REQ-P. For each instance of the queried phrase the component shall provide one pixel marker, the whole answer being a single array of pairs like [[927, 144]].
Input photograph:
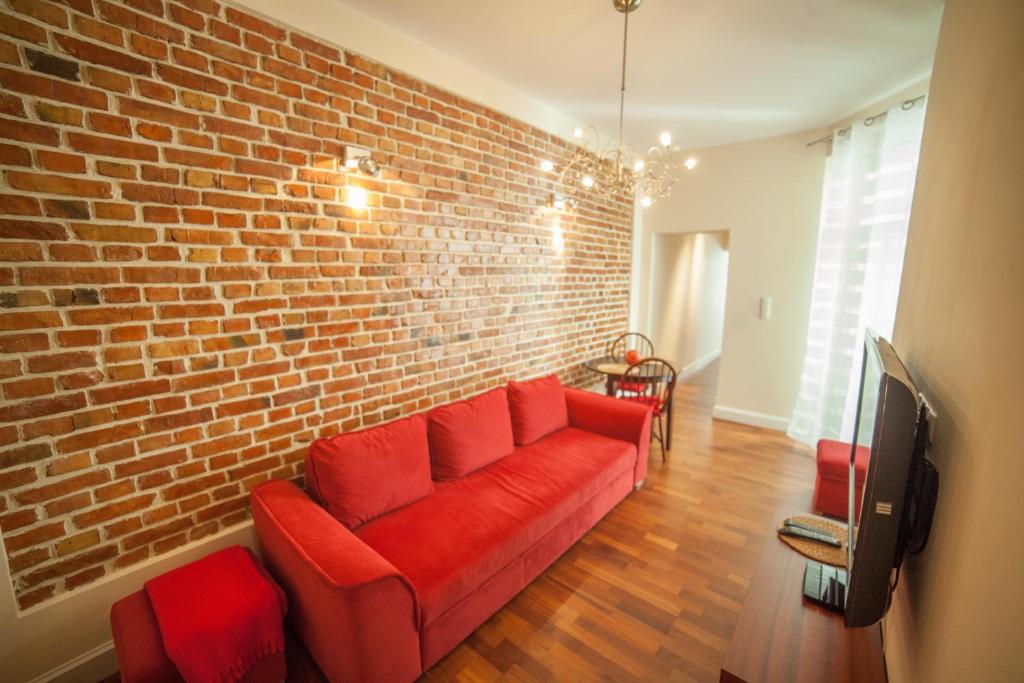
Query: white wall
[[958, 614], [766, 194], [688, 297]]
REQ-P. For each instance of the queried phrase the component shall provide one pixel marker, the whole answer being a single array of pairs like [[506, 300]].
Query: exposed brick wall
[[186, 299]]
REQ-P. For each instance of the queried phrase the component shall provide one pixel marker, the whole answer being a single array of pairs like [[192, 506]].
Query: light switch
[[766, 308]]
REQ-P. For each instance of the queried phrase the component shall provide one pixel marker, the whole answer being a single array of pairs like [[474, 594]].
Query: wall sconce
[[355, 197], [559, 202], [359, 158]]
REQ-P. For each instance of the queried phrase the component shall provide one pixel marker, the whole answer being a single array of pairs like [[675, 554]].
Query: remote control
[[800, 525], [817, 536]]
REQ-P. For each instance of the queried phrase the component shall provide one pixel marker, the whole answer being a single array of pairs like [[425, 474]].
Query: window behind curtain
[[865, 211]]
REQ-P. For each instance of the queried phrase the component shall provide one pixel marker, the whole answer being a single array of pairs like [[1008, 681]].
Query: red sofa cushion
[[467, 435], [537, 408], [471, 528], [361, 475]]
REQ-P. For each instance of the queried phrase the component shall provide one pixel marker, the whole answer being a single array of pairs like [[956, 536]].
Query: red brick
[[61, 361], [52, 89], [43, 11], [113, 233], [19, 28], [98, 437], [155, 112], [126, 392], [27, 388], [123, 149], [97, 54], [80, 187], [21, 229], [35, 536], [126, 18], [29, 320], [29, 132], [60, 162]]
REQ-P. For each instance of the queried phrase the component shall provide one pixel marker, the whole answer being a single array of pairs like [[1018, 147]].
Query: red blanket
[[218, 616]]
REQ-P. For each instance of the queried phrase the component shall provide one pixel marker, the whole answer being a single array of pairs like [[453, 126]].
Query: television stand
[[783, 636], [825, 585]]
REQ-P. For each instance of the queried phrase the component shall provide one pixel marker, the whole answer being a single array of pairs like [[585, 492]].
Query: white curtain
[[865, 210]]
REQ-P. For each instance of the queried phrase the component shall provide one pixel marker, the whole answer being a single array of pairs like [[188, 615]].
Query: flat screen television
[[899, 488]]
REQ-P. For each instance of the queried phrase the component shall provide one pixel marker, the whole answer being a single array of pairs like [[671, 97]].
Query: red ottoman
[[142, 658], [832, 483]]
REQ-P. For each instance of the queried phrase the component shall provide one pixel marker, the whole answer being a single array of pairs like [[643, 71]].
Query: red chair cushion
[[537, 408], [656, 404], [834, 460], [635, 387], [467, 435], [471, 528], [361, 475]]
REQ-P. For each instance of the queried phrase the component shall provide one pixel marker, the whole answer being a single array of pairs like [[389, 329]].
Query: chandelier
[[607, 171]]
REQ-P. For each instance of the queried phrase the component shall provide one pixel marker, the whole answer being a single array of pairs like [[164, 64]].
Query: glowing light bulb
[[547, 165], [577, 132], [587, 181], [646, 201], [356, 198], [666, 139], [638, 165], [690, 163]]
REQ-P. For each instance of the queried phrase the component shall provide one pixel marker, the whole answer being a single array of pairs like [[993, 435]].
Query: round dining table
[[614, 368]]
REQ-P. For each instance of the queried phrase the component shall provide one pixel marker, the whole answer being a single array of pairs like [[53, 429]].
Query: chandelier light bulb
[[587, 181], [547, 165], [690, 163], [646, 201], [666, 139], [577, 132], [638, 165]]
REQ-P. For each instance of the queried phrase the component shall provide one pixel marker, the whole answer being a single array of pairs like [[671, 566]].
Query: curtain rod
[[869, 120]]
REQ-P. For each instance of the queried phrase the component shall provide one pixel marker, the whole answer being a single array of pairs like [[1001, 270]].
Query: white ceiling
[[710, 71]]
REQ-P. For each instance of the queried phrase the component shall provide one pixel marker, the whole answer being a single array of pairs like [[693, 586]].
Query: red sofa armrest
[[623, 420], [355, 612]]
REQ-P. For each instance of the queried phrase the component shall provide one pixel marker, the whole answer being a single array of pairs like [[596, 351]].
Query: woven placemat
[[613, 368], [819, 551]]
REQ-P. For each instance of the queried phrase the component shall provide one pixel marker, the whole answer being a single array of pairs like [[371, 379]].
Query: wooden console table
[[781, 637]]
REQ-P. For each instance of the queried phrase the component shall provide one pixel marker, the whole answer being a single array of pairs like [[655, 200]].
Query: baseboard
[[749, 417], [696, 366], [94, 664]]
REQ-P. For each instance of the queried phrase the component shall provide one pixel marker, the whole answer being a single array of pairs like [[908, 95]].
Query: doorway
[[689, 273]]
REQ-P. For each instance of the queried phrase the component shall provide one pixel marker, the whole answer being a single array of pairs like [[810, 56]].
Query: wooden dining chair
[[630, 341], [652, 381]]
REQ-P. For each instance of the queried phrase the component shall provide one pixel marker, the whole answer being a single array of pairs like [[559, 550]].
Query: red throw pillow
[[362, 475], [537, 407], [467, 435]]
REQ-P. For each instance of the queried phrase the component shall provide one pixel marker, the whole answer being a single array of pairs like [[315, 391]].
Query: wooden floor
[[654, 591]]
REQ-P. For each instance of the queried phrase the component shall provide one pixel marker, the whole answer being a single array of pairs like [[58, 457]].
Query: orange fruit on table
[[633, 357]]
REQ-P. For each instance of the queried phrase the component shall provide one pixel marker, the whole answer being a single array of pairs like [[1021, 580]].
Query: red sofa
[[414, 533]]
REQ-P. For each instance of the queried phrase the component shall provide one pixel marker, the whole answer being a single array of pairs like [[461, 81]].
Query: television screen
[[886, 423], [863, 433]]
